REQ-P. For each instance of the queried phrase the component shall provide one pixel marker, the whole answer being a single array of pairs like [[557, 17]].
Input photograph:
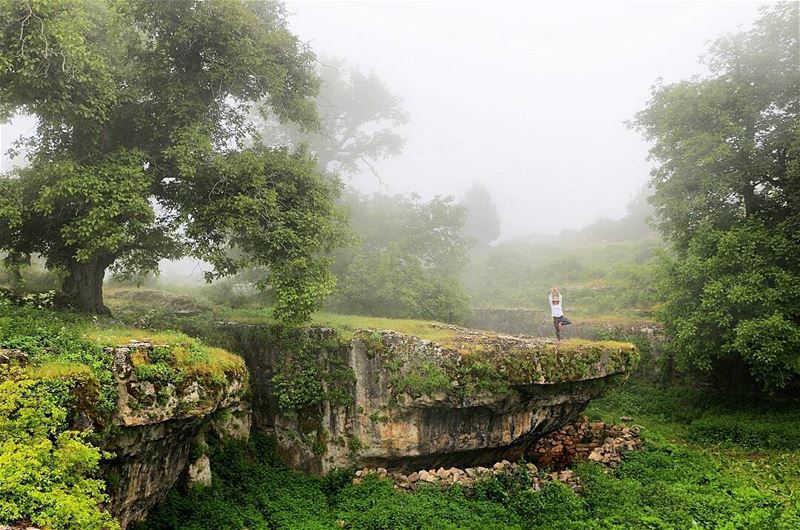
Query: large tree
[[727, 194], [139, 153]]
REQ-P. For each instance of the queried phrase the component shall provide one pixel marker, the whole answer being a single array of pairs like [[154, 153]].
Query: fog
[[528, 98]]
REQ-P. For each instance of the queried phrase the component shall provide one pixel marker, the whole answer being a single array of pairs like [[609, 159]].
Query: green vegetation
[[54, 366], [347, 325], [48, 471], [690, 474], [671, 484], [141, 153], [175, 356], [726, 196], [155, 309], [312, 367], [146, 147], [601, 280], [752, 440], [474, 363], [482, 225], [408, 259]]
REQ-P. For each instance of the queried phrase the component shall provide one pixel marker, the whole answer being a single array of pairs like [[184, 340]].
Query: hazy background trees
[[407, 259], [358, 121], [483, 221]]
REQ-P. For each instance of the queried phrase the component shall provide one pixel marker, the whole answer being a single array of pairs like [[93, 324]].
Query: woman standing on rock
[[557, 311]]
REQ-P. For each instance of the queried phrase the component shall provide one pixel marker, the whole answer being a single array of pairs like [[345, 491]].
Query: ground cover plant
[[52, 365], [49, 472], [669, 485]]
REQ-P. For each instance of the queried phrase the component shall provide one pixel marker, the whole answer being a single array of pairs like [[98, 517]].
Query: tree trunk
[[83, 287], [16, 260]]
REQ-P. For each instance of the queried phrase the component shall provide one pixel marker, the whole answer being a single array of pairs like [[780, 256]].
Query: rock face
[[157, 426], [468, 399]]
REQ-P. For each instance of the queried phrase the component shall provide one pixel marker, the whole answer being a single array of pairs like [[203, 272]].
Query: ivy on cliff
[[312, 368]]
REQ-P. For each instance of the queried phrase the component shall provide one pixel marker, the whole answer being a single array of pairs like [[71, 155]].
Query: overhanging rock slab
[[470, 398]]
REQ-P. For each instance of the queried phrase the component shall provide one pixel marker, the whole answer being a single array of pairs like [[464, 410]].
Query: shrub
[[746, 431], [47, 473]]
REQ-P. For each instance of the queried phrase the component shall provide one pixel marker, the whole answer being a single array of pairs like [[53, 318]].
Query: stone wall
[[584, 440]]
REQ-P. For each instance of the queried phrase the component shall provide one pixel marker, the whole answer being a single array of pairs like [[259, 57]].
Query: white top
[[555, 309]]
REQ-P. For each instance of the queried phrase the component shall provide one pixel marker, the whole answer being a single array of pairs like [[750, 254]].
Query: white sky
[[529, 98]]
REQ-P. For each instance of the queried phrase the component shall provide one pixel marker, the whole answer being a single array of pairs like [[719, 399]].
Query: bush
[[47, 473], [746, 431], [386, 283]]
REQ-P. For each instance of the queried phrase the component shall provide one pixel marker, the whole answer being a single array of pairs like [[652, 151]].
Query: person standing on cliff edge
[[557, 310]]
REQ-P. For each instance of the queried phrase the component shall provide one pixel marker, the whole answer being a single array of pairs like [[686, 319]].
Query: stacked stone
[[446, 477], [585, 440], [7, 356]]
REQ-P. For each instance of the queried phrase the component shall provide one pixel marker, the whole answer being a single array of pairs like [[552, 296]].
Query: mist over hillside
[[399, 265]]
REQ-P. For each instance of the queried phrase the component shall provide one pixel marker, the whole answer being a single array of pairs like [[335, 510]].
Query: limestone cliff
[[162, 420], [387, 399]]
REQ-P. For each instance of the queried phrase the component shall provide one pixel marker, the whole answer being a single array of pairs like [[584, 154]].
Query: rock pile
[[466, 478], [584, 440]]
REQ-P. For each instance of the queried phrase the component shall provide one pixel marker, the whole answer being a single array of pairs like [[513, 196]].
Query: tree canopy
[[727, 194], [141, 149], [358, 121], [407, 263], [483, 221]]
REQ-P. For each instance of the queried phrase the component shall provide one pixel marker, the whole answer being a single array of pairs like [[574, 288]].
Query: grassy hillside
[[597, 279]]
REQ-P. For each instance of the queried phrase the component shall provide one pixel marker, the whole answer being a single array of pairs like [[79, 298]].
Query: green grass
[[666, 486], [757, 440], [349, 324], [188, 355]]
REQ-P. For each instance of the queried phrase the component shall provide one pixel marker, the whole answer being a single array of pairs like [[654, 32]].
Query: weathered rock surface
[[157, 426], [472, 399], [200, 472], [595, 441]]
